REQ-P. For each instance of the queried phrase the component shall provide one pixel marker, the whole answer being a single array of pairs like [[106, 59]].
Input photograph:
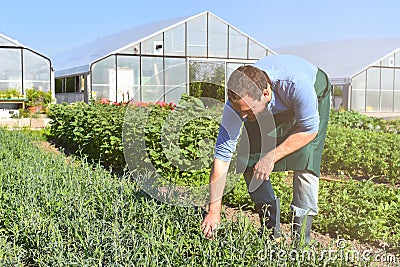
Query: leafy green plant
[[337, 91], [205, 89], [95, 131], [360, 209], [354, 119], [37, 97], [10, 93], [350, 209], [24, 113], [364, 153]]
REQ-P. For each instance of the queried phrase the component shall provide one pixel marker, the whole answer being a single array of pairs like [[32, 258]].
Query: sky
[[50, 27]]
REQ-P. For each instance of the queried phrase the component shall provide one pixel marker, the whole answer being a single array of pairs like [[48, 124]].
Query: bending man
[[283, 102]]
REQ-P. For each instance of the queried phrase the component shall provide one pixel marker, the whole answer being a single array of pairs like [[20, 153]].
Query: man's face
[[249, 107]]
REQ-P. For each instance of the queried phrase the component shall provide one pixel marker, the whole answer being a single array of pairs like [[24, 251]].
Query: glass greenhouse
[[22, 68], [377, 88], [157, 62], [365, 73]]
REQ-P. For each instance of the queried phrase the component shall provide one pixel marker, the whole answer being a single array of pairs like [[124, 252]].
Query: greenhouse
[[365, 73], [156, 62], [21, 69]]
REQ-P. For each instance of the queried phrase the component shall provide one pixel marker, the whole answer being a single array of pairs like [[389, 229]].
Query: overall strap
[[322, 88], [321, 85]]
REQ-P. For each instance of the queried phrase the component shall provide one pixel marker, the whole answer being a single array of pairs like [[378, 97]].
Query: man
[[296, 94]]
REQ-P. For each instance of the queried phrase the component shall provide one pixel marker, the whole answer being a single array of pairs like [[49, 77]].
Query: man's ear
[[266, 93]]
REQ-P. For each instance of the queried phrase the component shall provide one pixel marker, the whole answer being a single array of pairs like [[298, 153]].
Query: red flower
[[104, 100]]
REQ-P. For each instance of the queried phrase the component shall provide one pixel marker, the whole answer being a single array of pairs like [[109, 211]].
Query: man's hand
[[217, 184], [294, 142], [210, 223], [264, 167]]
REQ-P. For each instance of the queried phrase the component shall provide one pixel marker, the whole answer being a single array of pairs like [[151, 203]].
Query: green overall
[[307, 157]]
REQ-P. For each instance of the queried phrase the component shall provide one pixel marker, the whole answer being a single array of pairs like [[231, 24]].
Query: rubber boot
[[269, 214], [301, 229]]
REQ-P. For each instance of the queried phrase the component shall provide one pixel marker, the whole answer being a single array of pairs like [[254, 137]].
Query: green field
[[64, 211]]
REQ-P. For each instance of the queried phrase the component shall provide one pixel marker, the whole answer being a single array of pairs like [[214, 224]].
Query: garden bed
[[57, 210], [74, 213]]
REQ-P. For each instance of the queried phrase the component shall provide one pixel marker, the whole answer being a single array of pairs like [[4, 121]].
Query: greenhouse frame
[[365, 73], [155, 62], [22, 68]]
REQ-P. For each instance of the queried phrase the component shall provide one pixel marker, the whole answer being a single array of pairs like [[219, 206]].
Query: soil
[[49, 147], [232, 213], [383, 255]]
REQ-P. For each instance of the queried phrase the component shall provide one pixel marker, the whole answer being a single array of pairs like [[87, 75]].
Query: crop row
[[58, 211], [373, 155], [96, 131], [360, 210]]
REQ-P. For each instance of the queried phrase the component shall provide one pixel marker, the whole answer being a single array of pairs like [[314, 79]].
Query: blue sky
[[50, 27]]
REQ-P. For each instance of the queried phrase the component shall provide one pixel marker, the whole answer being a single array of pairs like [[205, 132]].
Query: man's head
[[249, 91]]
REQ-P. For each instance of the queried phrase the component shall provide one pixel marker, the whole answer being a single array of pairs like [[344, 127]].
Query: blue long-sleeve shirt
[[293, 81]]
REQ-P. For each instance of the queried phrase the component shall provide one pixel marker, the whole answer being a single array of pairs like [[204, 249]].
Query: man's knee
[[305, 193]]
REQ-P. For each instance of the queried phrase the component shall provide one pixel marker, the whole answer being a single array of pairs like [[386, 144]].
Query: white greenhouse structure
[[155, 62], [365, 73], [22, 68]]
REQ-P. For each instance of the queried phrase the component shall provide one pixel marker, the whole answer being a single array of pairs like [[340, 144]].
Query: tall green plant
[[94, 131], [210, 90]]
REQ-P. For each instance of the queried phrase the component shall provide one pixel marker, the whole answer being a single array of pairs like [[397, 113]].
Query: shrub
[[96, 131], [93, 131], [354, 119], [358, 152]]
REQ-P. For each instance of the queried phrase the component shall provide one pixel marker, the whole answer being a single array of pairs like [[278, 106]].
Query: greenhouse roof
[[8, 41], [8, 59], [346, 58], [78, 59]]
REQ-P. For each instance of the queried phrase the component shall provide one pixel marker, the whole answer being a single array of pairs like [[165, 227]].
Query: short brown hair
[[247, 80]]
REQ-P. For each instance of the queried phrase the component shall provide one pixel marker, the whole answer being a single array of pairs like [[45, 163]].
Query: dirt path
[[382, 256]]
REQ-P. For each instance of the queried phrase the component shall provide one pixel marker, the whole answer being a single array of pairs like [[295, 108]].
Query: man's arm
[[226, 144], [293, 143], [217, 185]]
